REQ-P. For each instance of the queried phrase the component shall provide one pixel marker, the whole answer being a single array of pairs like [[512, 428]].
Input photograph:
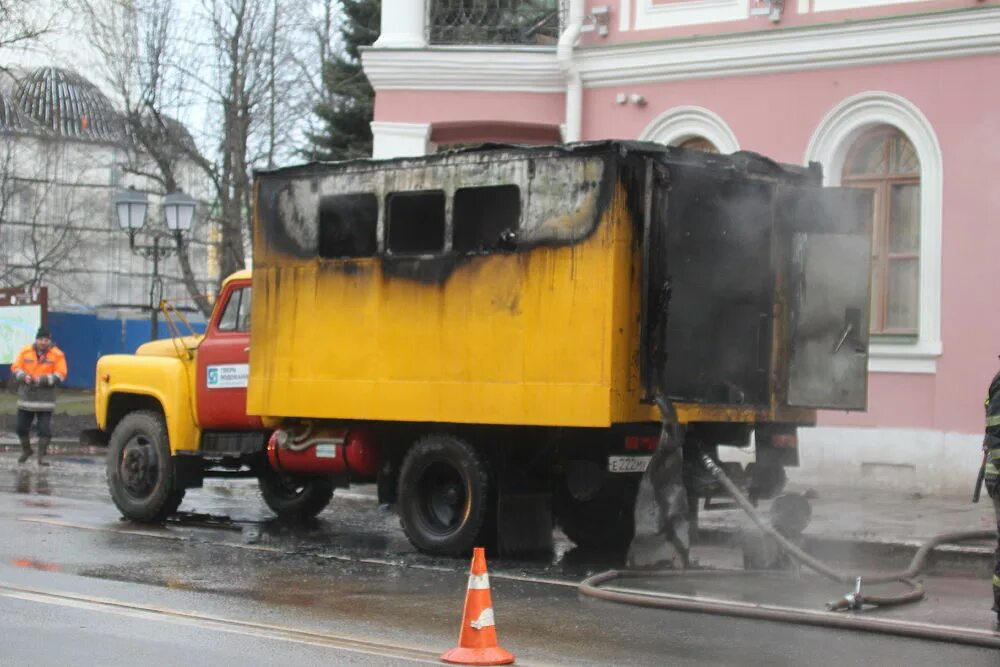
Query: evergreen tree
[[349, 102]]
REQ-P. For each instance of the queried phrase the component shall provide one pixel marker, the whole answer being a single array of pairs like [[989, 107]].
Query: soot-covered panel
[[829, 289], [711, 270]]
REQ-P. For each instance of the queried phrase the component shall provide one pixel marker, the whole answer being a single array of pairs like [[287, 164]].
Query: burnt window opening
[[348, 226], [415, 222], [486, 219]]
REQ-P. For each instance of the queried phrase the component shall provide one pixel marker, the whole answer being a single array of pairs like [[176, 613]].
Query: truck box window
[[415, 222], [484, 217], [347, 226]]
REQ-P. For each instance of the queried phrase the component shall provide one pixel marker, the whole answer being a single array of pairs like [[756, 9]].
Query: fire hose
[[854, 601]]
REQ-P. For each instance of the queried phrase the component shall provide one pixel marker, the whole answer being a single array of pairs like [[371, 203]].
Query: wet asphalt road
[[79, 586]]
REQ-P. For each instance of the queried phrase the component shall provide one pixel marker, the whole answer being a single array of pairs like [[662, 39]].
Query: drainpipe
[[574, 83]]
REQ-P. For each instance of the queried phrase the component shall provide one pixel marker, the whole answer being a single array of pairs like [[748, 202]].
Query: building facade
[[65, 151], [894, 96]]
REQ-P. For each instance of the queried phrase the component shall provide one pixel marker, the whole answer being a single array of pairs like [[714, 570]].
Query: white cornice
[[524, 69], [535, 69], [938, 35]]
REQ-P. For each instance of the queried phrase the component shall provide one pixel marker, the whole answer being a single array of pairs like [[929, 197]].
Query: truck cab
[[175, 412]]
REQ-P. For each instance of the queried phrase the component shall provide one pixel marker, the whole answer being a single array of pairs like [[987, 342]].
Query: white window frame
[[677, 125], [841, 5], [829, 145], [651, 16]]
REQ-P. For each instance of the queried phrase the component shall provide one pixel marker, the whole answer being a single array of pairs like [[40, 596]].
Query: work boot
[[43, 447], [26, 450]]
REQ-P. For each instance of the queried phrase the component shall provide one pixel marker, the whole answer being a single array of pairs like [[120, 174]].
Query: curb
[[886, 554]]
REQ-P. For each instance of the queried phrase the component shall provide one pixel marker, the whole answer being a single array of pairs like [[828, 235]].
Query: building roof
[[68, 105], [11, 118]]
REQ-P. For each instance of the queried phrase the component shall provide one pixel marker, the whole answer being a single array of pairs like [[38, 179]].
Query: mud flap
[[662, 534], [189, 470], [524, 523]]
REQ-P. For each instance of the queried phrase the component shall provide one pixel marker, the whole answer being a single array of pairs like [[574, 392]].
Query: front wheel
[[444, 488], [139, 470], [294, 497]]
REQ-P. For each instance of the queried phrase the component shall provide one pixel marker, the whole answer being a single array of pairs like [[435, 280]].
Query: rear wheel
[[607, 520], [294, 497], [140, 473], [444, 488]]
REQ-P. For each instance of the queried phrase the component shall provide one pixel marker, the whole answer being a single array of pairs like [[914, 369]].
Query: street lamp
[[178, 211]]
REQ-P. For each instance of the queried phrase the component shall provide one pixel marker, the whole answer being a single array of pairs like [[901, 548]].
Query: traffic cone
[[477, 638]]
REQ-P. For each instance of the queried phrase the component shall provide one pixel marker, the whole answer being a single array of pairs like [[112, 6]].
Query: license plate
[[628, 463]]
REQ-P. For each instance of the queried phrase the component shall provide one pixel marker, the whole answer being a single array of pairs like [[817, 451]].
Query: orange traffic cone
[[477, 638]]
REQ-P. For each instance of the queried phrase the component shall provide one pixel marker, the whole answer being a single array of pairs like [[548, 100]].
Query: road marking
[[160, 535], [165, 535], [211, 622]]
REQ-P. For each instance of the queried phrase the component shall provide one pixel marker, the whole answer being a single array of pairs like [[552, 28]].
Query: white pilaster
[[391, 140], [403, 24]]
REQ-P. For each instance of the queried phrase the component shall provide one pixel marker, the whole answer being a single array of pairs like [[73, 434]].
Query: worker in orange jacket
[[39, 369]]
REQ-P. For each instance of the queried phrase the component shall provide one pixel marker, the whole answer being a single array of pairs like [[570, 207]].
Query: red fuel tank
[[325, 452], [362, 455]]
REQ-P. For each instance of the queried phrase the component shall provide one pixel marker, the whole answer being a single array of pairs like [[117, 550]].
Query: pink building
[[898, 96]]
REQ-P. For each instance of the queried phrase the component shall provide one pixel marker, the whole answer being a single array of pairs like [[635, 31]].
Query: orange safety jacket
[[46, 370]]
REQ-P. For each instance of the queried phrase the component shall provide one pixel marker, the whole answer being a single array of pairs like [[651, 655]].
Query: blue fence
[[85, 337]]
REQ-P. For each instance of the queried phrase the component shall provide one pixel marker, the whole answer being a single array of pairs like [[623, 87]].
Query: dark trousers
[[43, 423]]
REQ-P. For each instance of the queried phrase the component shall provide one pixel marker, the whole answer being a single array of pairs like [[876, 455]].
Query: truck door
[[223, 363], [828, 236], [709, 294]]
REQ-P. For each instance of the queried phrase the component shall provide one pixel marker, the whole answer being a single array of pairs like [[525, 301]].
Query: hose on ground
[[857, 599], [853, 601]]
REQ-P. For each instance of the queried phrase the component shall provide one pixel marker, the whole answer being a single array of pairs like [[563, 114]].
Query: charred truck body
[[482, 332]]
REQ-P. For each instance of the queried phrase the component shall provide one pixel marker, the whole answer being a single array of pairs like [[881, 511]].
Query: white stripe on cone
[[485, 619], [479, 582]]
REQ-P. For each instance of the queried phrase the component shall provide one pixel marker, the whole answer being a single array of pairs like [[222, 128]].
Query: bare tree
[[230, 64], [23, 22], [47, 207], [259, 102], [141, 53]]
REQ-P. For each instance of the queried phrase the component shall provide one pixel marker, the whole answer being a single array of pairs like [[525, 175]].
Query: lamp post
[[178, 210]]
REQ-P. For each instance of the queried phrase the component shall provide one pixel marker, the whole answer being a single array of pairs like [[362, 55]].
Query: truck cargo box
[[557, 286]]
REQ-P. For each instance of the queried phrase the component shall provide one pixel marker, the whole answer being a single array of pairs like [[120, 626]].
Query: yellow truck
[[483, 332]]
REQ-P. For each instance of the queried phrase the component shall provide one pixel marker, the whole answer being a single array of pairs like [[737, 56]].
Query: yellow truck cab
[[485, 333], [176, 411]]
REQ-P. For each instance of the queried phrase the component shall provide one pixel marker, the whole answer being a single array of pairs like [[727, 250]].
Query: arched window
[[699, 144], [680, 125], [884, 160]]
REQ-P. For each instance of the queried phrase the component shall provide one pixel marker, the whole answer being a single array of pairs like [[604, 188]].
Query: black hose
[[591, 587]]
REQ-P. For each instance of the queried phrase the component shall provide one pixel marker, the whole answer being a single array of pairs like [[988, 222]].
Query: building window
[[884, 161], [692, 127], [698, 144]]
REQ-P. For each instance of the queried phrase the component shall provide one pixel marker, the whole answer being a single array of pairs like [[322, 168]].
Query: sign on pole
[[22, 311]]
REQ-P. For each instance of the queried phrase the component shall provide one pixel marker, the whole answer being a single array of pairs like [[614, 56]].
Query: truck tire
[[444, 487], [604, 521], [293, 497], [140, 472]]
